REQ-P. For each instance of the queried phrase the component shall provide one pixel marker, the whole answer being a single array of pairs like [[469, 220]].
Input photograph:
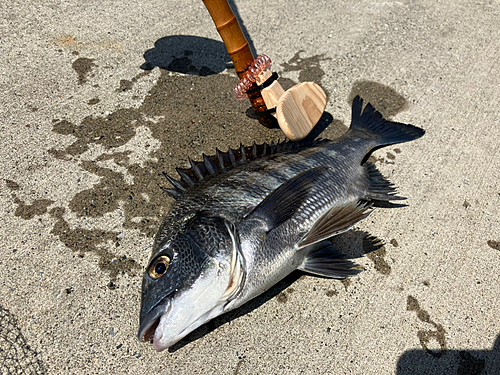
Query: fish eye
[[159, 267]]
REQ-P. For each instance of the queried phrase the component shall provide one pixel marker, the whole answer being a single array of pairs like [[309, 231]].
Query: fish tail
[[385, 132]]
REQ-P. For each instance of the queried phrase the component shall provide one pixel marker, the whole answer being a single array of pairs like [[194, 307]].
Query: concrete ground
[[99, 97]]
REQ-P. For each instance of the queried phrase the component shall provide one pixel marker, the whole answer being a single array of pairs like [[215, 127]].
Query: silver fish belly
[[246, 218]]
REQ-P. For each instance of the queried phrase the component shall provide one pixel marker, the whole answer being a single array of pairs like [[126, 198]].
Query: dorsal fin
[[225, 161]]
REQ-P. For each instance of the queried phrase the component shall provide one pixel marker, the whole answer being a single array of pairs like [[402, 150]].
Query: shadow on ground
[[451, 362], [188, 54], [192, 54]]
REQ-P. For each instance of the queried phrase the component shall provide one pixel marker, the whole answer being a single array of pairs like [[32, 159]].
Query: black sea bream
[[245, 219]]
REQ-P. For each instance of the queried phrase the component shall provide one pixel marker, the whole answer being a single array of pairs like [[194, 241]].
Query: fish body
[[245, 219]]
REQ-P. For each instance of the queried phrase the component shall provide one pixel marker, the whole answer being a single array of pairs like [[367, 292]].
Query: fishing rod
[[296, 111]]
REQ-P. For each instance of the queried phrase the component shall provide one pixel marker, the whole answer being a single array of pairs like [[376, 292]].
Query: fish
[[244, 219]]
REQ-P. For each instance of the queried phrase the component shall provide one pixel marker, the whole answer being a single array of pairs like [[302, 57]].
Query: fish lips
[[150, 322]]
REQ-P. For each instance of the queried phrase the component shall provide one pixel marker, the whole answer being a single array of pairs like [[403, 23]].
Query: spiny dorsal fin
[[171, 192], [224, 161], [336, 220]]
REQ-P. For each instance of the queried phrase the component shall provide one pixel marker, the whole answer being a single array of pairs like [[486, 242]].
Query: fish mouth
[[152, 320]]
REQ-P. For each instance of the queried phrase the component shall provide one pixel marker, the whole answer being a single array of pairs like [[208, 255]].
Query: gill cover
[[190, 280]]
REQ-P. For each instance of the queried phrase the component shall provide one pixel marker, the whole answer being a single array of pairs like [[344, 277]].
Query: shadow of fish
[[245, 219]]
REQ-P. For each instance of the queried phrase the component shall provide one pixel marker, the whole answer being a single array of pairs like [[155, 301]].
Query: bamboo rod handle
[[237, 46]]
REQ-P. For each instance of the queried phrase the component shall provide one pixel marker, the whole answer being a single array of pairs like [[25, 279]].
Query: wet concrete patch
[[126, 85], [182, 113], [494, 244], [283, 296], [29, 211], [346, 283], [94, 241], [309, 68], [238, 365], [12, 185], [331, 292], [425, 336], [374, 249], [83, 66]]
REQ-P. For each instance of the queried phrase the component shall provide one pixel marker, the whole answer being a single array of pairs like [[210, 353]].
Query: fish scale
[[246, 218]]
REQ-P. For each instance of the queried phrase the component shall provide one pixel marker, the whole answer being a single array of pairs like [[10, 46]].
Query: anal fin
[[328, 262], [379, 188], [336, 220]]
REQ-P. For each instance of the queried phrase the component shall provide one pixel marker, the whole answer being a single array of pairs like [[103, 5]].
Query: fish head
[[190, 278]]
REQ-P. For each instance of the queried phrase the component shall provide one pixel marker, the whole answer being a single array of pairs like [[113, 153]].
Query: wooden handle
[[298, 110], [273, 92], [238, 49]]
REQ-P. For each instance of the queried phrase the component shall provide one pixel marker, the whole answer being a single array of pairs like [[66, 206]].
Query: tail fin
[[385, 132]]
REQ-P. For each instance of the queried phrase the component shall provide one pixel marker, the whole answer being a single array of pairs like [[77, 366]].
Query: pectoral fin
[[335, 221], [282, 203]]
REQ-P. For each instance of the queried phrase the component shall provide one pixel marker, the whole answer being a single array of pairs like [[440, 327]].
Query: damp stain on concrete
[[183, 114], [12, 185], [29, 211], [126, 85], [16, 355], [283, 296], [373, 159], [494, 244], [238, 366], [374, 249], [83, 66], [346, 283], [94, 241], [309, 69], [425, 336], [331, 292]]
